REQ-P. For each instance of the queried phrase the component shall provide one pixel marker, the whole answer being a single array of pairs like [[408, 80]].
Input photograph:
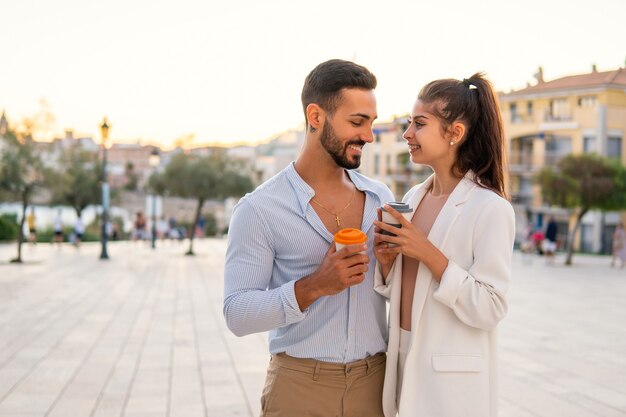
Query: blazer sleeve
[[478, 295], [382, 286]]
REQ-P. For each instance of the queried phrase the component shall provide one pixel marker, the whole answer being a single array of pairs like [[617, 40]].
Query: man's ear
[[315, 116], [456, 132]]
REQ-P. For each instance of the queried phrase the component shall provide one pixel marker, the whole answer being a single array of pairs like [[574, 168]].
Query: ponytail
[[471, 101]]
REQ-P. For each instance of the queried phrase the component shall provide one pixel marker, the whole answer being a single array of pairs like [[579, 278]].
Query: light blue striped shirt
[[275, 238]]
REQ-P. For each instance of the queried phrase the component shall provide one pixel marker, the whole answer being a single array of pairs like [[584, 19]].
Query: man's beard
[[337, 150]]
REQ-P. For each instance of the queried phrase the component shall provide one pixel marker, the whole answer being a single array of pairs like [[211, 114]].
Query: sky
[[232, 71]]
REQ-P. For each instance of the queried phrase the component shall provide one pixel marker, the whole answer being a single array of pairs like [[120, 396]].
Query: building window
[[559, 110], [614, 147], [529, 108], [556, 148], [513, 109], [377, 138], [590, 144], [524, 193], [376, 164], [526, 185], [587, 101]]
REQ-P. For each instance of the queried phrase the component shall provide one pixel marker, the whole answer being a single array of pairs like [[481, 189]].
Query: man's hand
[[338, 271]]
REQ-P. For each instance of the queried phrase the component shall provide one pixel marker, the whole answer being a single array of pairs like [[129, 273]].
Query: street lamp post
[[104, 130], [154, 159]]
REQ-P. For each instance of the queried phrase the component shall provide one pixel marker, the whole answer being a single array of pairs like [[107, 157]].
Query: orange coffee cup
[[349, 236]]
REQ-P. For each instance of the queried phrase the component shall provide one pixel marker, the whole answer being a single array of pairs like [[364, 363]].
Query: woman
[[447, 270], [619, 245]]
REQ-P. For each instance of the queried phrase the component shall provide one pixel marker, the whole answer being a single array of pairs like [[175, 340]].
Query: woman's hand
[[409, 241]]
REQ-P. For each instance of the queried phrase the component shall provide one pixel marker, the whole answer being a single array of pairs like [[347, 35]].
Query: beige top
[[424, 217]]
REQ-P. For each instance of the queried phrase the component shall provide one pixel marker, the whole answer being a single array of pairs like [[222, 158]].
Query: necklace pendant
[[338, 221]]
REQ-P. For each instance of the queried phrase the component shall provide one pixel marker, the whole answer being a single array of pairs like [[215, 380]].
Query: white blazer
[[451, 365]]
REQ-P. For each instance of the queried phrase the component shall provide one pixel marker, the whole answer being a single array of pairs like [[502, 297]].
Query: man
[[549, 243], [327, 326], [32, 226], [79, 230], [58, 228]]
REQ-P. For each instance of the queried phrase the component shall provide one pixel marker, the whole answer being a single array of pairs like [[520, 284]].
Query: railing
[[527, 162], [553, 157], [522, 197], [521, 119], [407, 175], [558, 118]]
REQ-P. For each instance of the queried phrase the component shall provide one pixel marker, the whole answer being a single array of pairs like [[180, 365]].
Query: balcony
[[410, 176], [525, 162], [521, 162], [524, 198], [557, 118], [552, 158], [519, 119]]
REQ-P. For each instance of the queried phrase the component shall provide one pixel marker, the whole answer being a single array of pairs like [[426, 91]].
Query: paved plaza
[[143, 335]]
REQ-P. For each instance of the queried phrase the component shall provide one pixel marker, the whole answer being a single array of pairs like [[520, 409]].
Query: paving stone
[[142, 335]]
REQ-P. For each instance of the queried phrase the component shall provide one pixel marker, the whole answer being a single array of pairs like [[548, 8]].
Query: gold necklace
[[337, 218]]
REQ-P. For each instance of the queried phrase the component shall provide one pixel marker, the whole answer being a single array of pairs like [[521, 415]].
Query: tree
[[582, 183], [77, 183], [21, 174], [215, 176], [133, 178]]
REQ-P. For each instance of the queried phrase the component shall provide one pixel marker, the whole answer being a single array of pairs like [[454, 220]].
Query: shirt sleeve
[[250, 305], [478, 295]]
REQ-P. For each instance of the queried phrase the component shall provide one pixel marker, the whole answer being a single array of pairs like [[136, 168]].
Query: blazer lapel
[[447, 216], [438, 235]]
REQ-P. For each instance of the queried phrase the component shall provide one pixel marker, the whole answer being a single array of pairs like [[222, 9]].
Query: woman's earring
[[451, 142]]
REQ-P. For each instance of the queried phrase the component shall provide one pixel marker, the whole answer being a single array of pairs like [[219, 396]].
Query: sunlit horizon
[[224, 73]]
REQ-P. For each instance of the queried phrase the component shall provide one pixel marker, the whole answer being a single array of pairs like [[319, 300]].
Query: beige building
[[387, 158], [546, 121], [130, 160]]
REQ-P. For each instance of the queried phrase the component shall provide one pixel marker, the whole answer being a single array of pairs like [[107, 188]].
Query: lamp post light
[[104, 130], [154, 160]]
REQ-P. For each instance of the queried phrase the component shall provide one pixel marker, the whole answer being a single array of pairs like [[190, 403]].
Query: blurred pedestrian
[[162, 228], [549, 244], [200, 226], [619, 245], [32, 226], [58, 228], [173, 228], [538, 238], [140, 226], [79, 231], [115, 231]]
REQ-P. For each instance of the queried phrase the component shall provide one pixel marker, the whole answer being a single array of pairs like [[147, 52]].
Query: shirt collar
[[304, 192]]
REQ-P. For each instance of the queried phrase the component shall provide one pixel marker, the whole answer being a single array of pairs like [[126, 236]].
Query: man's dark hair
[[323, 85]]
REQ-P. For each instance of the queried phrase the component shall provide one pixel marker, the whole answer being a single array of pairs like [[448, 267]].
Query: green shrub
[[8, 227], [210, 227], [47, 235]]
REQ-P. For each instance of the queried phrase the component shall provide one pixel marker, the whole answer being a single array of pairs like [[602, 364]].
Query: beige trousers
[[310, 388]]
